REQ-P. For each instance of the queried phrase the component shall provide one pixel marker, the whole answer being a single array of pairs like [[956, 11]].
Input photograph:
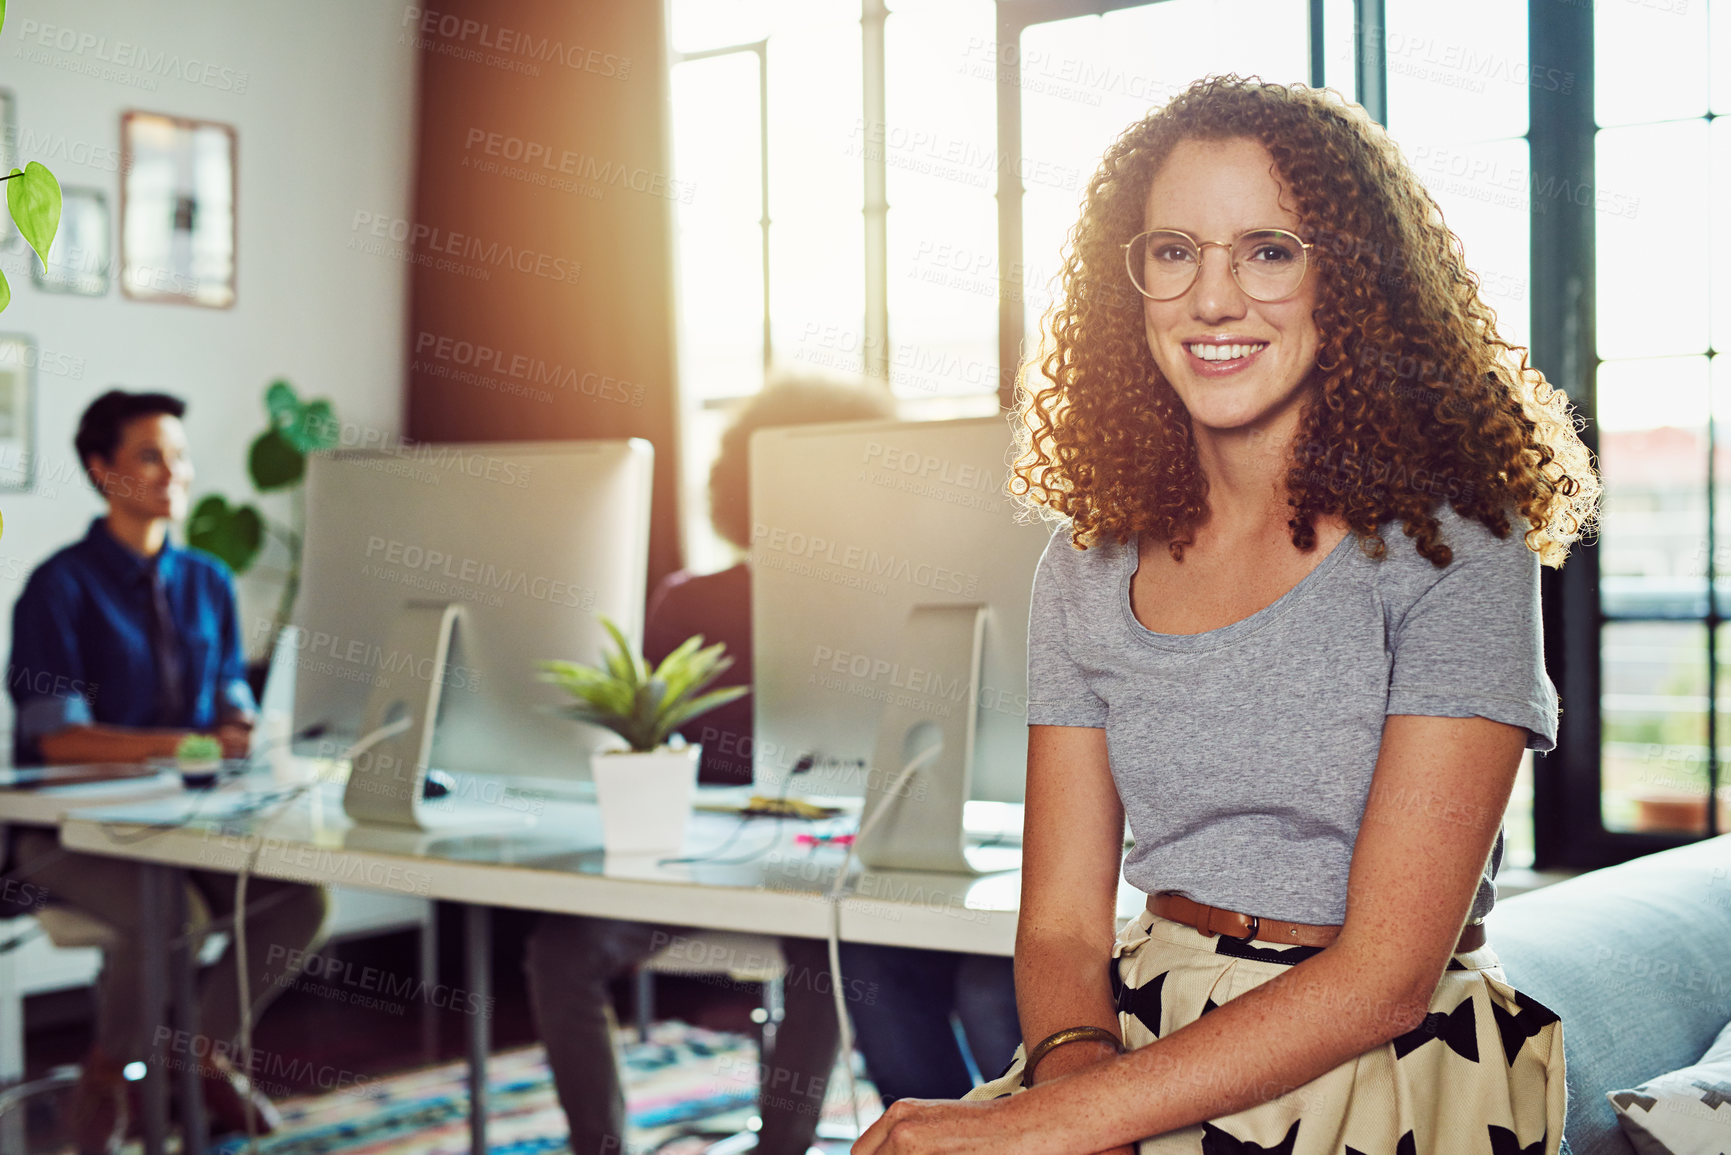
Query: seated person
[[570, 958], [123, 644]]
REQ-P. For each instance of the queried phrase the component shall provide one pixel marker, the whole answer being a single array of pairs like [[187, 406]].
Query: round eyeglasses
[[1268, 264]]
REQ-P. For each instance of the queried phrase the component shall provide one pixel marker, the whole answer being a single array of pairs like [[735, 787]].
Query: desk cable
[[712, 858], [361, 746], [836, 895]]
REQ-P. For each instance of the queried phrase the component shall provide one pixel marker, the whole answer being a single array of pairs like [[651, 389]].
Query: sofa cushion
[[1685, 1112], [1636, 959]]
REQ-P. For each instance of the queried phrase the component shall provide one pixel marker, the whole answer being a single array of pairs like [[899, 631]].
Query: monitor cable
[[836, 894], [362, 745]]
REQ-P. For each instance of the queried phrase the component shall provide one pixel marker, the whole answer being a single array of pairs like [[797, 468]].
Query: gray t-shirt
[[1244, 755]]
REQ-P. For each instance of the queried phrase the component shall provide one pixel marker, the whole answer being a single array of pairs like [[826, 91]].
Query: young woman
[[1268, 355]]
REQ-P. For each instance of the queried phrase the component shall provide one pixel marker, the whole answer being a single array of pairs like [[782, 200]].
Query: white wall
[[322, 95]]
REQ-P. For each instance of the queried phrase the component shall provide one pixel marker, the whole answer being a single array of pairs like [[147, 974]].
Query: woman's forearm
[[1063, 982], [1261, 1045]]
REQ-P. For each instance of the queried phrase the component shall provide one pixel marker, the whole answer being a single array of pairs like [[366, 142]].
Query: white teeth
[[1224, 352]]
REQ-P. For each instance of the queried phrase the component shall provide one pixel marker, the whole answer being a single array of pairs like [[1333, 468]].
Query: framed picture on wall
[[79, 259], [17, 411], [9, 238], [177, 206]]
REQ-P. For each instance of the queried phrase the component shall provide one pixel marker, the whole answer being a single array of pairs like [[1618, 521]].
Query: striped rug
[[683, 1079]]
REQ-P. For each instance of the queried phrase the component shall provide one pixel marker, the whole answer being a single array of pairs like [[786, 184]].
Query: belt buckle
[[1208, 917]]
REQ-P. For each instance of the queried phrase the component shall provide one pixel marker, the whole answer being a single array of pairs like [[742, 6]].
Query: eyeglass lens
[[1267, 263]]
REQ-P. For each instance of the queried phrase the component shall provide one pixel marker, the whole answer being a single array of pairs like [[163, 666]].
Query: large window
[[1659, 195], [884, 186]]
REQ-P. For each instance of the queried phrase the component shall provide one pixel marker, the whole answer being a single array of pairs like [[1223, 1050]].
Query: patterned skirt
[[1483, 1074]]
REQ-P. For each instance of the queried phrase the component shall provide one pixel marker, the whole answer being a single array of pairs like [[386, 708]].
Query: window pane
[[1652, 283], [1482, 190], [1649, 61], [1719, 20], [720, 261], [1086, 79], [1460, 70], [941, 155], [1655, 726], [1719, 225], [698, 25], [1518, 818], [1339, 33], [816, 238], [1653, 457], [1693, 818], [1719, 373]]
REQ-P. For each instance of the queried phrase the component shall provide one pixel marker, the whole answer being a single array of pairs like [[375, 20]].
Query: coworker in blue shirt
[[123, 644]]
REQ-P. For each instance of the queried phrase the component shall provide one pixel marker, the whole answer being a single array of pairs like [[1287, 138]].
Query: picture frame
[[81, 257], [17, 412], [10, 240], [177, 209]]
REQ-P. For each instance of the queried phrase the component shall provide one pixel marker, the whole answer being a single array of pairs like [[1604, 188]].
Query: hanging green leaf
[[233, 533], [282, 404], [2, 14], [33, 196], [274, 462], [314, 427], [5, 293]]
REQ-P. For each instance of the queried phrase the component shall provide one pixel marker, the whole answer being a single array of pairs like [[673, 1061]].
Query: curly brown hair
[[1415, 398]]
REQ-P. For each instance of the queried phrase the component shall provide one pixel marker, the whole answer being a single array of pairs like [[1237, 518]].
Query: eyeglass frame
[[1231, 266]]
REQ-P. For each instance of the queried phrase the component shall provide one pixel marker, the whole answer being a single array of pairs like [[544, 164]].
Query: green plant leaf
[[700, 670], [2, 14], [314, 428], [233, 534], [5, 293], [703, 705], [674, 661], [626, 666], [33, 196], [281, 404], [274, 462]]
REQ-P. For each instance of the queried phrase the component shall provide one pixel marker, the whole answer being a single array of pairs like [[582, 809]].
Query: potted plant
[[647, 789], [276, 463], [199, 759]]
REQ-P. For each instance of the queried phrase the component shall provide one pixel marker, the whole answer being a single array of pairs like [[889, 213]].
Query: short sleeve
[[1058, 689], [1472, 645]]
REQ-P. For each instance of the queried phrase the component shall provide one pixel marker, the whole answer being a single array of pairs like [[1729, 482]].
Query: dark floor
[[347, 1019]]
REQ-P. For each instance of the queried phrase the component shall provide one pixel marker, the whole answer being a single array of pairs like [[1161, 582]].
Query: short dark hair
[[104, 422]]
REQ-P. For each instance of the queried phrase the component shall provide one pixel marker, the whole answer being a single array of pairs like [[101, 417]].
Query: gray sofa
[[1637, 960]]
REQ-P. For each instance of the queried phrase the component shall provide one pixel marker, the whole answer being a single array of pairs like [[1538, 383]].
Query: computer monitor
[[433, 581], [890, 588]]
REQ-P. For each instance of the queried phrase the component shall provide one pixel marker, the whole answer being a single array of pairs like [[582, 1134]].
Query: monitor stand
[[385, 781], [921, 828]]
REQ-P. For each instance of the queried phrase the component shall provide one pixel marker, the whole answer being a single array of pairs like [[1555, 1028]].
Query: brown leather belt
[[1247, 927]]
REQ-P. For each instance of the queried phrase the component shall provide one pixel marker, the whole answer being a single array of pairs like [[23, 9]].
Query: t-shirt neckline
[[1223, 635]]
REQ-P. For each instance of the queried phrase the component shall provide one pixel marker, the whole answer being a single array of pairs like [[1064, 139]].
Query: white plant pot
[[646, 798]]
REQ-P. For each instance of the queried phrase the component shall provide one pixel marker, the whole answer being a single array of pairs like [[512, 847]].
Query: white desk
[[49, 806], [556, 865]]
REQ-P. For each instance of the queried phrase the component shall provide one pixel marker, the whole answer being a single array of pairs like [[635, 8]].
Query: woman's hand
[[943, 1126], [953, 1127]]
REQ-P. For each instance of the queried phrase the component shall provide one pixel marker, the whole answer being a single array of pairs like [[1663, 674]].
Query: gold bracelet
[[1058, 1038]]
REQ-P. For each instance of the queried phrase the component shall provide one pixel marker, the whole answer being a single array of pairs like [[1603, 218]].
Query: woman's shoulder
[[1099, 558], [1472, 546]]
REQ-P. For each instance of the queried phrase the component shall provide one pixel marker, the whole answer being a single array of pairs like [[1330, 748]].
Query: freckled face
[[1216, 190]]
